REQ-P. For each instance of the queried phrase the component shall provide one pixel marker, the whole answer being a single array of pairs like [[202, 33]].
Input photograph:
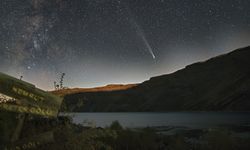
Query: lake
[[182, 119]]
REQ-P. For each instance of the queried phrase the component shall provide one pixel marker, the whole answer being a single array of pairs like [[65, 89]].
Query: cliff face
[[220, 83]]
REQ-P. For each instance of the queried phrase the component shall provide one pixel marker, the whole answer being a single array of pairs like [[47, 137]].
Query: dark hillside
[[220, 83]]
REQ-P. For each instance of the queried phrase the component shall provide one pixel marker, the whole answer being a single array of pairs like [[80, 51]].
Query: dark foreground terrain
[[221, 83], [62, 134]]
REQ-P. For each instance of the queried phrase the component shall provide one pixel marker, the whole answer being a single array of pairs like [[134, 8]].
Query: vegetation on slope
[[69, 136]]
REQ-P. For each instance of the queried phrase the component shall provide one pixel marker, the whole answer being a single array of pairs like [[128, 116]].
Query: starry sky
[[99, 42]]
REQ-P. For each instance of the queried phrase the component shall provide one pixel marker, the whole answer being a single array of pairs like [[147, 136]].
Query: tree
[[60, 85], [61, 81]]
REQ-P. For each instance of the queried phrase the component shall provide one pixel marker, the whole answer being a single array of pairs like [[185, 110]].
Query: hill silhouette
[[221, 83]]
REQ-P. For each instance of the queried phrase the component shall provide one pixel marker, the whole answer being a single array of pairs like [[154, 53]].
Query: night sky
[[99, 42]]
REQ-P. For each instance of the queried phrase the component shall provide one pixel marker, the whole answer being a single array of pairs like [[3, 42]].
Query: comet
[[140, 32], [145, 41]]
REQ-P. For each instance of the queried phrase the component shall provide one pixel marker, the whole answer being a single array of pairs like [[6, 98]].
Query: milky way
[[98, 42]]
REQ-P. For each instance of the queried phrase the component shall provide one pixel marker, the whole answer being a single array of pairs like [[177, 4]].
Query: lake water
[[182, 119]]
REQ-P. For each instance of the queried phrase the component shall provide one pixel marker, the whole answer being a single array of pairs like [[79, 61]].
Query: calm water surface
[[183, 119]]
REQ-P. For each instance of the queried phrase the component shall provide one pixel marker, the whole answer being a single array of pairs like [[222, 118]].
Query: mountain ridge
[[219, 83], [109, 87]]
